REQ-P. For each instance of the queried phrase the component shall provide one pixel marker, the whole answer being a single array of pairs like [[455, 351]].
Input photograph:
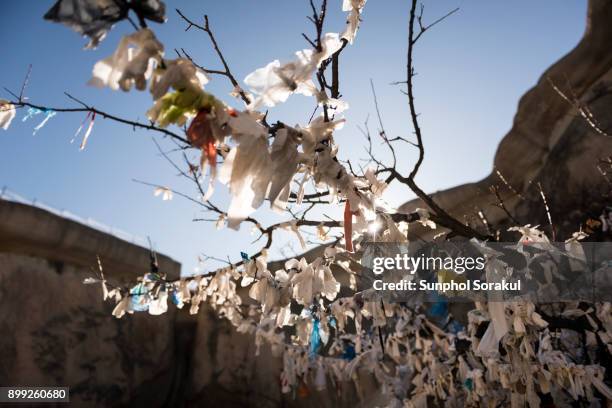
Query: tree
[[326, 332]]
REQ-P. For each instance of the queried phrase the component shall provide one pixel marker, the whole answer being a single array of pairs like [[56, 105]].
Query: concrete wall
[[57, 331]]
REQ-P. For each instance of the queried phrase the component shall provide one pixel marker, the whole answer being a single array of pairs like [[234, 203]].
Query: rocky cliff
[[551, 143]]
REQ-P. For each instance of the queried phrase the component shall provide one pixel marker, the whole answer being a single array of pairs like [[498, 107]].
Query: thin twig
[[507, 184], [25, 82], [228, 73], [581, 108], [104, 115], [502, 205], [550, 222], [444, 218]]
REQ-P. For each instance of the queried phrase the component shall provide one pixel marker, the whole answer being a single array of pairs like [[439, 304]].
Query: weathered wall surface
[[231, 374], [57, 331], [33, 231], [227, 372]]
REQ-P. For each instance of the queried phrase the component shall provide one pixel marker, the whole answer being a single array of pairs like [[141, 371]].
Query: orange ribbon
[[348, 226], [200, 135]]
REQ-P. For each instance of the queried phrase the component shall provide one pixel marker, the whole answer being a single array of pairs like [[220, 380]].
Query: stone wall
[[58, 332]]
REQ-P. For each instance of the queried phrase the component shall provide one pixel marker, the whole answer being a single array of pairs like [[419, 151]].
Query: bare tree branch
[[227, 72], [104, 115], [25, 82], [550, 222], [444, 218], [581, 108], [500, 203]]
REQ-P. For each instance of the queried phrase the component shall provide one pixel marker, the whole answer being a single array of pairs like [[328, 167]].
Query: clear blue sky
[[472, 70]]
